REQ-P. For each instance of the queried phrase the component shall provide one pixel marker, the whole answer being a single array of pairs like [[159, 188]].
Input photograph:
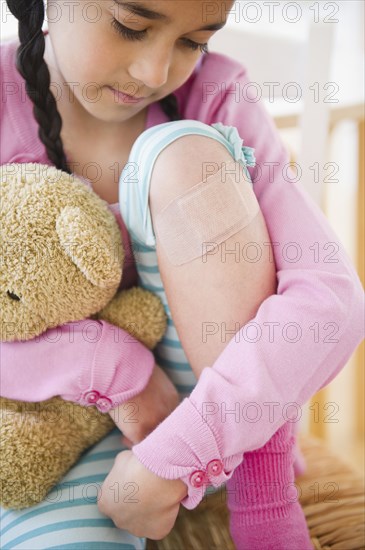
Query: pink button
[[92, 396], [104, 404], [214, 467], [197, 478]]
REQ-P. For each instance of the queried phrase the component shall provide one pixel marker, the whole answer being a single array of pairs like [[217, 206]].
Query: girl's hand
[[139, 501], [142, 414]]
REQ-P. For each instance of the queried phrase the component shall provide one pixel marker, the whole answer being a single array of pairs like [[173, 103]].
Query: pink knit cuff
[[120, 369], [190, 453]]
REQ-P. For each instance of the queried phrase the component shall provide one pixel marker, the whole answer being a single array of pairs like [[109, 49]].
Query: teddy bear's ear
[[90, 246]]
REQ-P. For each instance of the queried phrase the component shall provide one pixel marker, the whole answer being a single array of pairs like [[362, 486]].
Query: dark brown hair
[[31, 65]]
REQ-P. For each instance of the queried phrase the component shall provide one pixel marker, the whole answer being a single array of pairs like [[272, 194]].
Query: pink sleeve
[[296, 344], [89, 362]]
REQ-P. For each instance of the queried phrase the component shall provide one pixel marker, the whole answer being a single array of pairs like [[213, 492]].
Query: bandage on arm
[[206, 215]]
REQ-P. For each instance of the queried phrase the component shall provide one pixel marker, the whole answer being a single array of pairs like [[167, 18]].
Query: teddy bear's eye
[[13, 296]]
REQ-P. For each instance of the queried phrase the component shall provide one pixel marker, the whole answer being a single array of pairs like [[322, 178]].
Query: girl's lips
[[125, 98]]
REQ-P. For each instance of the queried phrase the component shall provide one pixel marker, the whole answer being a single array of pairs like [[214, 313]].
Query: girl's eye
[[130, 34], [126, 32], [195, 45]]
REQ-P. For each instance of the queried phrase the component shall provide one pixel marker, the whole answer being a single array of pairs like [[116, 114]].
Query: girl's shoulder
[[221, 64], [19, 141], [206, 89], [10, 78], [8, 57]]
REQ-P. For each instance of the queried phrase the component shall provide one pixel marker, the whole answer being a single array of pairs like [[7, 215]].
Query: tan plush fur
[[62, 259]]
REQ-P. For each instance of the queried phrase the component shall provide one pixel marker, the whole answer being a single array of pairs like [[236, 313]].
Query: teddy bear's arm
[[139, 312]]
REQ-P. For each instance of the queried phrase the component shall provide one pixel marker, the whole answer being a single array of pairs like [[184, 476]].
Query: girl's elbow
[[359, 309], [353, 305], [339, 301]]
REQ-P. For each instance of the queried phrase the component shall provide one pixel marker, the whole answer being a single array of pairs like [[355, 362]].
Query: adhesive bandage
[[209, 212]]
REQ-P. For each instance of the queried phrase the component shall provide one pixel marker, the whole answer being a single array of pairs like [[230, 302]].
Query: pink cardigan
[[297, 343]]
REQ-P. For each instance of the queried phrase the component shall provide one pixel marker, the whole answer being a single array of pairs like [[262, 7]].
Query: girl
[[152, 50]]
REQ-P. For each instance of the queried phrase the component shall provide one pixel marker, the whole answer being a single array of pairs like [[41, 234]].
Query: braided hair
[[32, 67]]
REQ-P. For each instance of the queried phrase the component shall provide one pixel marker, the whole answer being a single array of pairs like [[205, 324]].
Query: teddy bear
[[62, 260]]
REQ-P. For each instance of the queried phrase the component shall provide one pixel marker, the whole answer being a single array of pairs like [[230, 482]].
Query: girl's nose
[[151, 66]]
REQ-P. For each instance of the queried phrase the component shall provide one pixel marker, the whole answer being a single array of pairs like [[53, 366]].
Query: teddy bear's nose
[[13, 296]]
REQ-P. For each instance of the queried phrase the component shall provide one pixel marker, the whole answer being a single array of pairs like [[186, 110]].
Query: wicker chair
[[332, 497]]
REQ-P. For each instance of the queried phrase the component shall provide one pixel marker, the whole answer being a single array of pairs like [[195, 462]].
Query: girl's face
[[145, 48]]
